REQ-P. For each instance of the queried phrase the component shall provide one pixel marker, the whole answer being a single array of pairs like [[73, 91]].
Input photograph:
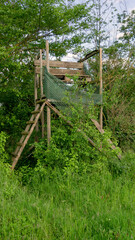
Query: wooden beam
[[58, 71], [47, 55], [35, 87], [97, 125], [41, 74], [48, 109], [60, 64], [26, 129], [41, 89], [27, 137], [41, 100], [36, 95], [48, 125], [101, 88]]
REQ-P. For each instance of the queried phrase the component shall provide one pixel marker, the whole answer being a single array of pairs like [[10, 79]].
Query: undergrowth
[[98, 204]]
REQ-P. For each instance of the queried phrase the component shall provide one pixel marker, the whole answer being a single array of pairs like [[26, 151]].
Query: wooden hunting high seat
[[61, 69]]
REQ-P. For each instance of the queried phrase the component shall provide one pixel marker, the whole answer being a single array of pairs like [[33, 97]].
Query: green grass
[[74, 207]]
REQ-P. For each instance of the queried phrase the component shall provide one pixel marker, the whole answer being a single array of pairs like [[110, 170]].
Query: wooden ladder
[[28, 131]]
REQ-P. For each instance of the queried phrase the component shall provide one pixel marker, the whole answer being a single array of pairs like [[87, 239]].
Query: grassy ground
[[82, 208]]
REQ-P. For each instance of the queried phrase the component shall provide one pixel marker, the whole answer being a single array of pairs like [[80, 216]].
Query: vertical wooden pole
[[35, 86], [48, 109], [101, 89], [47, 55], [48, 125], [41, 91], [36, 94], [41, 75]]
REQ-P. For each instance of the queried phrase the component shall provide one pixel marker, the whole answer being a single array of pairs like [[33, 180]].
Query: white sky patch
[[131, 9], [70, 57], [120, 35]]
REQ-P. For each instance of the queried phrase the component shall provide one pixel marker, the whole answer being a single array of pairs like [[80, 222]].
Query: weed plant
[[74, 192], [92, 206]]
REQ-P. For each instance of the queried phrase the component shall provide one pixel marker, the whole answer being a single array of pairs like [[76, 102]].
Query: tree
[[25, 25], [119, 75]]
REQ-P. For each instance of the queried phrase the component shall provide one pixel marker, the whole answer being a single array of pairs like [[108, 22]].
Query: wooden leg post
[[35, 97], [41, 91], [101, 89], [48, 109], [37, 83], [48, 125]]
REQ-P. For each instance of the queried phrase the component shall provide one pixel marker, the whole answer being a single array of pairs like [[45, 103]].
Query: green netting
[[58, 92]]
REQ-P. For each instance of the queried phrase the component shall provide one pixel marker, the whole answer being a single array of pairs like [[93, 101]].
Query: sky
[[121, 5], [127, 5]]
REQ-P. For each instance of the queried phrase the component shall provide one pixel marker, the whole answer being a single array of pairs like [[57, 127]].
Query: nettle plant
[[70, 149]]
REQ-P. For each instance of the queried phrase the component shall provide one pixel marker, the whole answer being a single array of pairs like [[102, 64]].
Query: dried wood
[[26, 129], [48, 125], [41, 75], [30, 122], [58, 71], [35, 112], [60, 64], [101, 87], [47, 55], [98, 126], [40, 101], [15, 160]]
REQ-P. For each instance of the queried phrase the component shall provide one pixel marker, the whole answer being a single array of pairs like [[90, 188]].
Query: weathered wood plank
[[58, 71], [29, 122], [26, 129], [48, 125], [60, 64], [98, 126], [101, 87], [41, 101], [35, 112], [15, 160]]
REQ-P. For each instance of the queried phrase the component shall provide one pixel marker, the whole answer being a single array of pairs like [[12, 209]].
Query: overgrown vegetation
[[69, 190], [98, 204]]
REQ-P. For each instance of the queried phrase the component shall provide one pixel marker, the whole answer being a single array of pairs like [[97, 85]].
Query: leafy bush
[[3, 154]]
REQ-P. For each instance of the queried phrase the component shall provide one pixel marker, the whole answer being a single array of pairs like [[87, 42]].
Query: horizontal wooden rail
[[60, 64], [58, 71]]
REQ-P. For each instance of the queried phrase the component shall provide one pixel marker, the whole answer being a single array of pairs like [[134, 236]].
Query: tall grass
[[67, 207]]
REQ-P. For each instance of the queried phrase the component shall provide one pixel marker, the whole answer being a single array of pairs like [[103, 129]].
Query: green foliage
[[119, 95], [15, 110], [70, 149], [91, 206], [25, 25], [3, 154]]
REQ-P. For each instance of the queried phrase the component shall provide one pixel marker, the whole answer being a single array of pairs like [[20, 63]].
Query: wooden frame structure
[[58, 69]]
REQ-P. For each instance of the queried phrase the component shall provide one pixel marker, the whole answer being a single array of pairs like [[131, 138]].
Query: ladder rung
[[25, 133], [41, 101], [35, 112], [19, 144], [30, 122]]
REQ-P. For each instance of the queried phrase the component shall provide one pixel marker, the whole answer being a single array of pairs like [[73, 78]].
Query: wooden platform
[[62, 69]]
